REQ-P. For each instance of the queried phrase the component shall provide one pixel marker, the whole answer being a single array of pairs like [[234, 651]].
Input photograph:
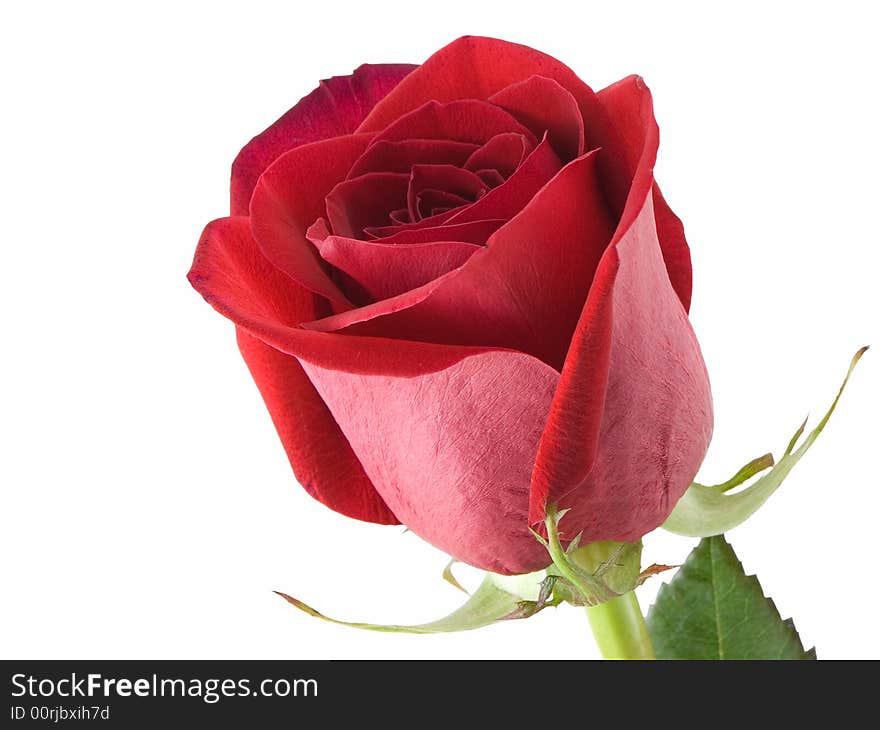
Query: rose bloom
[[463, 298]]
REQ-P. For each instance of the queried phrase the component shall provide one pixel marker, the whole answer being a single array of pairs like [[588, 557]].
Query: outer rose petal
[[335, 108], [451, 452], [233, 276], [289, 198], [629, 106], [632, 417], [320, 455], [472, 67]]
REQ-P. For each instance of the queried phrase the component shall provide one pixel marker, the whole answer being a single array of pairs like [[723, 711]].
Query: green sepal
[[711, 510], [712, 610], [498, 598], [592, 574]]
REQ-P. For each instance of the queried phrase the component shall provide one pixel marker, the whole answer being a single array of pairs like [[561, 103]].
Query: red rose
[[463, 297]]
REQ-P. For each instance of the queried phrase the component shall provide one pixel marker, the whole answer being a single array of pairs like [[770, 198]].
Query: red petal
[[475, 68], [632, 150], [492, 178], [508, 199], [473, 232], [386, 270], [504, 153], [635, 360], [525, 291], [335, 108], [402, 155], [502, 202], [365, 201], [432, 222], [543, 105], [463, 184], [320, 455], [430, 202], [464, 120], [233, 276], [289, 198], [451, 453]]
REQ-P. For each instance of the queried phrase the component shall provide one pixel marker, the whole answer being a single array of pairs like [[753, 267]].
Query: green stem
[[619, 628]]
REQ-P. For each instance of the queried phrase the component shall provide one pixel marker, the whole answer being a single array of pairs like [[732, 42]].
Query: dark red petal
[[635, 360], [335, 108], [632, 149], [386, 270], [508, 199], [320, 455], [504, 153], [400, 156], [473, 232], [460, 186], [432, 222], [234, 277], [543, 105], [427, 202], [492, 177], [365, 201], [464, 120], [525, 291], [289, 198], [399, 217], [451, 453]]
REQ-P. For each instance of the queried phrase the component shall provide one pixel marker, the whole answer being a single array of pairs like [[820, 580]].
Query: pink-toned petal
[[525, 291], [234, 277], [543, 105], [635, 360], [632, 149], [386, 270], [451, 453], [465, 120], [289, 198], [335, 108], [319, 454], [504, 153], [400, 156], [365, 201]]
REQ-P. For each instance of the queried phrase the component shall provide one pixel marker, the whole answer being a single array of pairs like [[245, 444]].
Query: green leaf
[[705, 511], [488, 604], [712, 610]]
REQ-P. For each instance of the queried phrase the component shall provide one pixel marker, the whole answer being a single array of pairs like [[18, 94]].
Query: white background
[[148, 507]]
